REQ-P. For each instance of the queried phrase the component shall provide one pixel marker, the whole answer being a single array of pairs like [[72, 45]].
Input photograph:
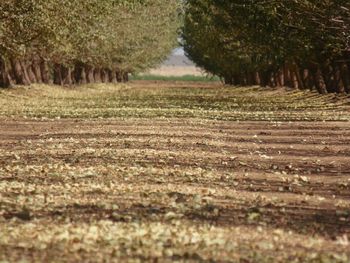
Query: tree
[[80, 41], [302, 44]]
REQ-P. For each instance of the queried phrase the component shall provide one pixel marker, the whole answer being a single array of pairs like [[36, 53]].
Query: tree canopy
[[83, 40], [304, 44]]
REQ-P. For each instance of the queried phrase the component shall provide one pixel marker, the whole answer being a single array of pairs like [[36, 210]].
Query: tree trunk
[[272, 80], [257, 78], [45, 72], [242, 79], [125, 77], [319, 82], [287, 76], [229, 80], [264, 78], [36, 70], [97, 75], [104, 76], [83, 79], [119, 76], [112, 76], [250, 79], [19, 73], [24, 67], [280, 78], [329, 78], [31, 74], [5, 78], [89, 74], [307, 79], [338, 85], [67, 78], [62, 75], [297, 79], [79, 74], [57, 74], [295, 83], [345, 75]]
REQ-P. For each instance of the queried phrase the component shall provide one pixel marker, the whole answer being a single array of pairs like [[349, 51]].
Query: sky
[[179, 51], [178, 58]]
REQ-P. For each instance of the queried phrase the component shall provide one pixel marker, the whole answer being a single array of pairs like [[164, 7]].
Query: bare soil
[[174, 189]]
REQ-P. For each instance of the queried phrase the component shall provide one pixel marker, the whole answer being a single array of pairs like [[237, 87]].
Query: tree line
[[300, 44], [83, 41]]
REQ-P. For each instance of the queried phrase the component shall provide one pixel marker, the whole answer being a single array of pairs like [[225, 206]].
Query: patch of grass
[[176, 78], [169, 100]]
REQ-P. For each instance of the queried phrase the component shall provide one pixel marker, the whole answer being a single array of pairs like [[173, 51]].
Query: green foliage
[[128, 35], [231, 38]]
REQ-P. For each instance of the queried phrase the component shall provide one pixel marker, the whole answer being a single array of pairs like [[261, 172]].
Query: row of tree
[[83, 41], [302, 44]]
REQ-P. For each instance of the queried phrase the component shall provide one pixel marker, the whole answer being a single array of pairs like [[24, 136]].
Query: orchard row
[[83, 41], [301, 44]]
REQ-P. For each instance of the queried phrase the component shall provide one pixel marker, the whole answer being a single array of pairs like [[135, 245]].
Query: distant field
[[176, 68], [176, 71], [193, 78], [161, 171]]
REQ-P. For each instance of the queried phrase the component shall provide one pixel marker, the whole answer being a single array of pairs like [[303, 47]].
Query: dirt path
[[174, 189], [173, 171]]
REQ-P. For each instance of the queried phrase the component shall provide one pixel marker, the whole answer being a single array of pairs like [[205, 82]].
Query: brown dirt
[[279, 189], [246, 160]]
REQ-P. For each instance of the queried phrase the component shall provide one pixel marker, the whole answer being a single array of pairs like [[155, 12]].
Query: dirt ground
[[183, 189]]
